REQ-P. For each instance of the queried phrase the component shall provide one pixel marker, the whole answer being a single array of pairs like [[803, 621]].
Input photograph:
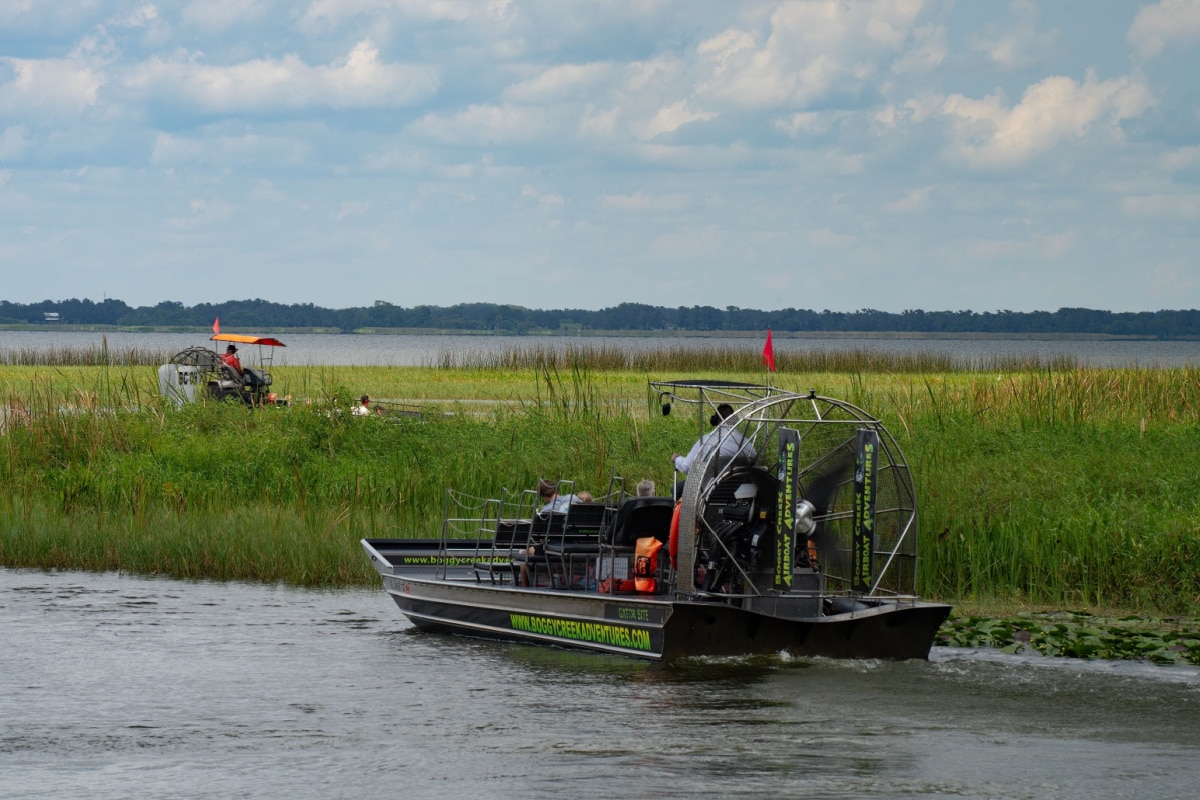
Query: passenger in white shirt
[[553, 503], [728, 441], [552, 500]]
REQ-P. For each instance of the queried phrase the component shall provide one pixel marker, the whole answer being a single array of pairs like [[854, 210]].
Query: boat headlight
[[804, 517]]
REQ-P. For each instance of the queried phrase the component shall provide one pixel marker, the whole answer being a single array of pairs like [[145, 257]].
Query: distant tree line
[[261, 314]]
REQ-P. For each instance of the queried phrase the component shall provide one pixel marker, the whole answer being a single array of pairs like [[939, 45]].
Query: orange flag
[[769, 353], [216, 325]]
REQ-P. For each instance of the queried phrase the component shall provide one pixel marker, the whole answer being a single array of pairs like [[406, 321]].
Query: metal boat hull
[[658, 628]]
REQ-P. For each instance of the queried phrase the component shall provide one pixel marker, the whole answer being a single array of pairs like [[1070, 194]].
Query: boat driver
[[230, 358], [728, 440]]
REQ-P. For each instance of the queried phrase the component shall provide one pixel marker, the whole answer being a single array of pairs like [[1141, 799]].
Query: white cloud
[[139, 17], [598, 124], [325, 12], [1172, 281], [913, 201], [813, 49], [670, 119], [1021, 44], [222, 15], [11, 9], [543, 199], [1163, 206], [824, 237], [1164, 23], [1049, 247], [5, 177], [51, 85], [929, 50], [1181, 158], [641, 201], [204, 214], [563, 82], [484, 125], [1057, 109], [360, 80], [169, 150], [351, 208], [808, 122], [13, 142]]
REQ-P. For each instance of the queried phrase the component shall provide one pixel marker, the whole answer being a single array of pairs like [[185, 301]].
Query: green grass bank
[[1050, 486]]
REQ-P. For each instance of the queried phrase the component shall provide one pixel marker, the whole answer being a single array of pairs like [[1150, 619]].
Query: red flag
[[216, 325], [769, 353]]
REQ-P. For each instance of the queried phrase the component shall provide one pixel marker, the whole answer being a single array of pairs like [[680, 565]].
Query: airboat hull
[[448, 597]]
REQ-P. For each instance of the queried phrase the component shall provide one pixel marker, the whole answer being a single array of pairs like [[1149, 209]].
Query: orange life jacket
[[645, 564]]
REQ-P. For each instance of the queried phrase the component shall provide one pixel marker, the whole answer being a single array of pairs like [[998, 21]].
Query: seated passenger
[[230, 358], [552, 501]]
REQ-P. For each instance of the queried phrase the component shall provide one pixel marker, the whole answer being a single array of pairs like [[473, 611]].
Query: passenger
[[230, 358], [645, 488], [552, 501], [583, 497], [361, 410], [728, 440]]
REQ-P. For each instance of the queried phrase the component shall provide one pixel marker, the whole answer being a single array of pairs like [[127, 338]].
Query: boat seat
[[255, 378], [639, 517], [541, 528], [581, 530], [510, 540]]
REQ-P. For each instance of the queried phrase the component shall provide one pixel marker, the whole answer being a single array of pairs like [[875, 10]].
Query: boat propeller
[[817, 503]]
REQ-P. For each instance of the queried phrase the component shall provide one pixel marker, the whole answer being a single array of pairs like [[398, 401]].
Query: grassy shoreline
[[1052, 488]]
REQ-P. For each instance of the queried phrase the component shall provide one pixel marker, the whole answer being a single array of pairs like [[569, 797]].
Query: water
[[418, 350], [114, 686]]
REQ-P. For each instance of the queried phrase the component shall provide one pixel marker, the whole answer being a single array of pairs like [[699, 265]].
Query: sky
[[815, 154]]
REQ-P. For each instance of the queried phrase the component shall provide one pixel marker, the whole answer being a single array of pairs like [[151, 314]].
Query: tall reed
[[1053, 486], [736, 359]]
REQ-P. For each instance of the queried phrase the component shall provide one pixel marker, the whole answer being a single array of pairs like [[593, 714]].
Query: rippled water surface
[[115, 686]]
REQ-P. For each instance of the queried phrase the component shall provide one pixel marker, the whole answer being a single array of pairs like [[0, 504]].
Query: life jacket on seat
[[645, 564]]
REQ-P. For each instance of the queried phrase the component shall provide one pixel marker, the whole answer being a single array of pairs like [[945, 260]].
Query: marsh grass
[[101, 356], [737, 359], [1069, 487]]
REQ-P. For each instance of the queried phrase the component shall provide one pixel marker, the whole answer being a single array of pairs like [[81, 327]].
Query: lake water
[[418, 350], [114, 686]]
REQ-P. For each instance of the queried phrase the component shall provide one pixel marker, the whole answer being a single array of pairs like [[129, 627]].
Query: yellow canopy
[[240, 339]]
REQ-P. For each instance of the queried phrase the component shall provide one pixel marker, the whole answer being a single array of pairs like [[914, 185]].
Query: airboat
[[808, 548], [202, 369]]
